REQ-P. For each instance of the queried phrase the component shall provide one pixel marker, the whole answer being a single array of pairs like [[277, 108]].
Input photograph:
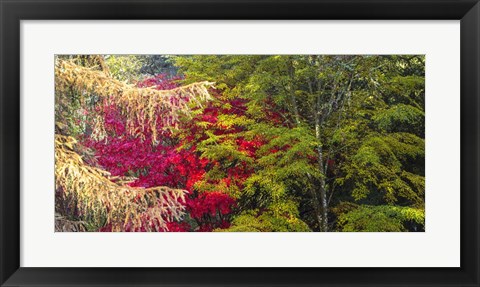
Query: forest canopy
[[240, 143]]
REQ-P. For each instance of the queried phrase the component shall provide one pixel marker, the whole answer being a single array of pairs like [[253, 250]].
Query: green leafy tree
[[347, 128]]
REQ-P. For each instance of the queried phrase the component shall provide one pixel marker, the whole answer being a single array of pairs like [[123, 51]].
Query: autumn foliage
[[240, 143]]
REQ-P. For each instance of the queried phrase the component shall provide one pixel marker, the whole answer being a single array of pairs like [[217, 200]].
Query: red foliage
[[210, 203], [178, 226], [159, 82], [165, 164]]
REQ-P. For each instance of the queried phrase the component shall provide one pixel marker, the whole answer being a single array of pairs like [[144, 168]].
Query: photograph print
[[239, 143]]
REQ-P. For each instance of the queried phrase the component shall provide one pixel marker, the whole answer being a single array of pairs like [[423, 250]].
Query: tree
[[382, 156], [319, 99], [170, 161], [89, 192]]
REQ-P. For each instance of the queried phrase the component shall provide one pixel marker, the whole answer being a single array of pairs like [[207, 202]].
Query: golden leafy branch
[[142, 107], [96, 195]]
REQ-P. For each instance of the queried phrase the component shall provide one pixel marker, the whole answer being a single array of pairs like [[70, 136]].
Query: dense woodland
[[240, 143]]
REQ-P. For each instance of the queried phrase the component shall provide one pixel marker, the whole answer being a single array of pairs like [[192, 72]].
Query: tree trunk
[[293, 98], [322, 192], [316, 201]]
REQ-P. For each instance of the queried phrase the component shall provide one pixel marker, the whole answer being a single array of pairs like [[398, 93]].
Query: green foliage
[[378, 169], [401, 118], [252, 221], [125, 67], [382, 218], [284, 162], [408, 89], [362, 116]]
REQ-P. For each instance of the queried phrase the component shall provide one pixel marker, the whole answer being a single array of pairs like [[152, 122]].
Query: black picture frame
[[13, 11]]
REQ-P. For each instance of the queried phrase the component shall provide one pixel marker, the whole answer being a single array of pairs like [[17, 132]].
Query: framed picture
[[239, 143]]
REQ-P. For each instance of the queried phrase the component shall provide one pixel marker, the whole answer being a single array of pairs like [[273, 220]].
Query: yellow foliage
[[96, 193], [145, 106]]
